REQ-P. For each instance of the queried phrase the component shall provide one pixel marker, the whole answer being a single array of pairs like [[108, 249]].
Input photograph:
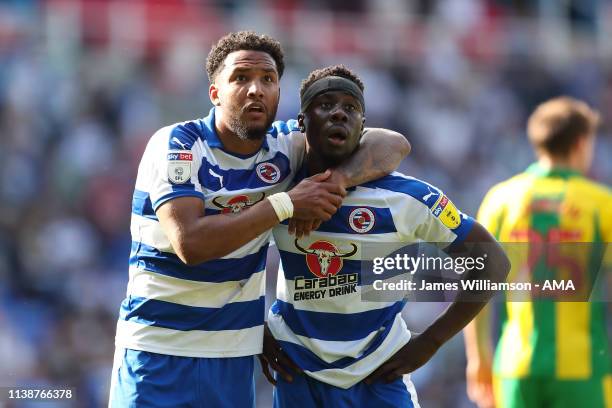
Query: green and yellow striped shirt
[[545, 338]]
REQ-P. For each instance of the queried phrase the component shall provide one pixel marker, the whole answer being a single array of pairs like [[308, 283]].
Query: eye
[[268, 78], [241, 77], [350, 107], [326, 105]]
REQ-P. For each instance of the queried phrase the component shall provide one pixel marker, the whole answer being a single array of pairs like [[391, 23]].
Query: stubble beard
[[245, 132]]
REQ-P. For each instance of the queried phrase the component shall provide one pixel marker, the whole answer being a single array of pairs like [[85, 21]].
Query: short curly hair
[[243, 40], [334, 70]]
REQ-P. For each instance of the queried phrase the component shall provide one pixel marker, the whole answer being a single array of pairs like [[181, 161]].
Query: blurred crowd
[[84, 84]]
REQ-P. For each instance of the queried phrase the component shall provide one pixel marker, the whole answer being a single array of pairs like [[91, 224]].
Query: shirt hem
[[191, 353]]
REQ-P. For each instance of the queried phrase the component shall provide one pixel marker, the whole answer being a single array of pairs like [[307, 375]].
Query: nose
[[255, 90], [339, 115]]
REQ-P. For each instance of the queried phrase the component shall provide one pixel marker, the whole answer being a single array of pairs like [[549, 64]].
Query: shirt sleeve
[[444, 223], [427, 214], [174, 158]]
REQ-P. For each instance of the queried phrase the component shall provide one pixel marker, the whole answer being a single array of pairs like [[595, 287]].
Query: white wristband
[[283, 207]]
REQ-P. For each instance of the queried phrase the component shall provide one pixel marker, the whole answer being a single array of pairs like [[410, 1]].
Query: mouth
[[255, 108], [337, 135]]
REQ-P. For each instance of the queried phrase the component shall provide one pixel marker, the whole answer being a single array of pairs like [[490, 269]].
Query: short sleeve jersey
[[320, 318], [216, 308]]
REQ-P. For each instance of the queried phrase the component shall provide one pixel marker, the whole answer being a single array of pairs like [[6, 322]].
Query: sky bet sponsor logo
[[179, 167], [180, 156], [324, 260], [446, 211]]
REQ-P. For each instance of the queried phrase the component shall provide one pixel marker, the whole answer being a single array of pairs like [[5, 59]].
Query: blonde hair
[[557, 124]]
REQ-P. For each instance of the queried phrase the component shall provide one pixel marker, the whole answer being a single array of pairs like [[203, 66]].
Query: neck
[[315, 163], [570, 162], [231, 142]]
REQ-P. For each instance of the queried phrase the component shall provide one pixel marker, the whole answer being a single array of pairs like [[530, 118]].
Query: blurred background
[[84, 84]]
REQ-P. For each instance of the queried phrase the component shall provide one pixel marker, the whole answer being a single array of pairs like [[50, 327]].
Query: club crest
[[361, 220], [268, 172]]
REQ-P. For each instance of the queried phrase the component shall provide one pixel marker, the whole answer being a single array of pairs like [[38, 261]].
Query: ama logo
[[268, 172], [236, 204], [323, 258], [361, 220]]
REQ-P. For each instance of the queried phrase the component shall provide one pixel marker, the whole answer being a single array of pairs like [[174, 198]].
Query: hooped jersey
[[216, 308], [319, 317]]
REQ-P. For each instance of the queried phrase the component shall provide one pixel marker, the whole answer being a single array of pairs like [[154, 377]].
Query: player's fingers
[[319, 177], [330, 202], [316, 225], [334, 199], [392, 376], [292, 223], [334, 189], [266, 369], [286, 361], [281, 371], [301, 227], [377, 374], [306, 227], [325, 211]]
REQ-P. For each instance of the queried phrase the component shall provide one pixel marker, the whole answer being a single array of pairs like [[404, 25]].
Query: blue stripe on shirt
[[219, 270], [178, 191], [232, 316], [426, 194], [141, 205], [335, 326], [307, 360], [240, 179], [418, 189], [339, 223]]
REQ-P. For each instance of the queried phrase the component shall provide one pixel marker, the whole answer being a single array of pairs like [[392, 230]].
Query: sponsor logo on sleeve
[[446, 211], [179, 167]]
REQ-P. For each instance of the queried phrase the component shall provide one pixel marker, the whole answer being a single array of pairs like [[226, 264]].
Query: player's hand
[[413, 355], [274, 356], [316, 198], [301, 228], [480, 384], [337, 177]]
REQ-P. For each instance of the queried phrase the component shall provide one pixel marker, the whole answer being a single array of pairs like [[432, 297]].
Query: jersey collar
[[536, 169]]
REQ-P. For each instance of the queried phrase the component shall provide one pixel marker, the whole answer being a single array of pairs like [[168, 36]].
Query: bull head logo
[[323, 258], [236, 204]]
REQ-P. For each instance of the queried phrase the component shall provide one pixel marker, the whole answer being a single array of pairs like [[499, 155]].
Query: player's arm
[[477, 334], [196, 238], [422, 347], [379, 153], [479, 353]]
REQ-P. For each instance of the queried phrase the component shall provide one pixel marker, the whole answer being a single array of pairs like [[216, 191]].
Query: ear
[[301, 124], [213, 94], [363, 123]]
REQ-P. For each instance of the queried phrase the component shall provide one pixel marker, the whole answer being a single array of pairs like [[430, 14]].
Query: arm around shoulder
[[380, 153]]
